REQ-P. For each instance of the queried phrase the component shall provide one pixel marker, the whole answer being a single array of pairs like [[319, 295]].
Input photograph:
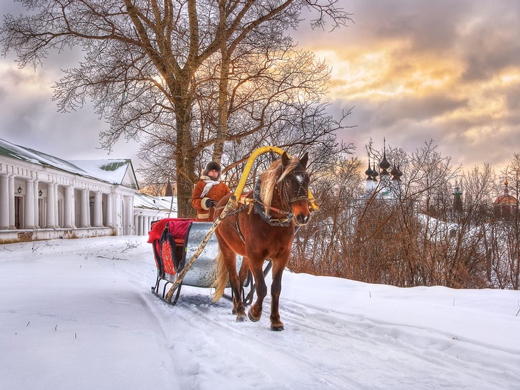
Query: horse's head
[[293, 186]]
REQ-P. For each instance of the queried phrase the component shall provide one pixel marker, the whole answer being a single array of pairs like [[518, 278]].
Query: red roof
[[508, 200]]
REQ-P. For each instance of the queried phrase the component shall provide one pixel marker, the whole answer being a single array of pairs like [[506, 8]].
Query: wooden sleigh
[[176, 239]]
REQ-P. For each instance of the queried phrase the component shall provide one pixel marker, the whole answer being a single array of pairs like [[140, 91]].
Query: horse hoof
[[241, 318], [277, 327], [234, 311], [252, 317]]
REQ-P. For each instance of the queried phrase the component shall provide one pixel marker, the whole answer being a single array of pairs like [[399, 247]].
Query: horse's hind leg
[[255, 312], [236, 286]]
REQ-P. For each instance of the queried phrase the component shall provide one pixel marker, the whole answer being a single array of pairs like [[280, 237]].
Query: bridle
[[287, 201], [301, 192]]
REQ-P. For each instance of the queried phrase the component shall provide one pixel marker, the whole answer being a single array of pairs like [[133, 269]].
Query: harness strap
[[237, 228]]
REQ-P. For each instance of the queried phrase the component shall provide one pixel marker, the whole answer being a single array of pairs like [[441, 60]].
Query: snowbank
[[78, 314]]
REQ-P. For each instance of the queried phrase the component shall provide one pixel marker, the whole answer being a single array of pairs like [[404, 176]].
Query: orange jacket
[[198, 199]]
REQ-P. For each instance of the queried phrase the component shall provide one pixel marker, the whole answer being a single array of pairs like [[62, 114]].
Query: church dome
[[369, 172], [384, 164], [506, 199], [374, 172]]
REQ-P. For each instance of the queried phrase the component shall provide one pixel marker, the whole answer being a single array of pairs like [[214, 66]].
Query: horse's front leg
[[276, 288], [244, 267], [255, 264]]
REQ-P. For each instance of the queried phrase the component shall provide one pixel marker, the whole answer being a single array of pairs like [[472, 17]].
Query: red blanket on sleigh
[[177, 227]]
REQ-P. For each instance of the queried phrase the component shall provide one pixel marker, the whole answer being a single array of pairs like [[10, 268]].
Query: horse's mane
[[274, 174]]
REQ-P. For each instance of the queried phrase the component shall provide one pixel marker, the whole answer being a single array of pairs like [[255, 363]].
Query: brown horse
[[265, 232]]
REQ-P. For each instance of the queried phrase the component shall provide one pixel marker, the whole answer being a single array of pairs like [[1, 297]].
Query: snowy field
[[78, 314]]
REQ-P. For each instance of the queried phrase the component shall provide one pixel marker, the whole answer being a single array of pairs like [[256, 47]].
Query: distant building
[[149, 208], [43, 197], [160, 190], [389, 183], [505, 206]]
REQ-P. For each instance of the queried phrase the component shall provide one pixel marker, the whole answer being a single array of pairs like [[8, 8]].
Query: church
[[45, 197]]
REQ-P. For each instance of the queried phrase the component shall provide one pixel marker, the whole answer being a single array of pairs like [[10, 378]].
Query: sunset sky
[[412, 70]]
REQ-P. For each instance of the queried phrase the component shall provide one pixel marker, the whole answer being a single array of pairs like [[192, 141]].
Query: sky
[[412, 70]]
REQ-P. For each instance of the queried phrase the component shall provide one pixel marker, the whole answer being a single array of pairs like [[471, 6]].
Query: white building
[[152, 208], [43, 197]]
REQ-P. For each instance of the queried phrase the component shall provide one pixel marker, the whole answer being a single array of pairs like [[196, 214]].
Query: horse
[[280, 202]]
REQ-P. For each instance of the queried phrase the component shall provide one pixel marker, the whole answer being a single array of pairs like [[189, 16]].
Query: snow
[[164, 203], [96, 169], [109, 170], [35, 157], [79, 314]]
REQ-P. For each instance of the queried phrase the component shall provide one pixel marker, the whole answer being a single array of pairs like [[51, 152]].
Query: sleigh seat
[[168, 237]]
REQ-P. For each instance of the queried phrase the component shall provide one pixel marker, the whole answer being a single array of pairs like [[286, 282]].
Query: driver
[[207, 192]]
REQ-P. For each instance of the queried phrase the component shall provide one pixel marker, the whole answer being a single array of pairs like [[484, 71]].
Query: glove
[[210, 203]]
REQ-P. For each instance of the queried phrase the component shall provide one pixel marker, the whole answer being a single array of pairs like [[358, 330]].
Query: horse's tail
[[221, 277]]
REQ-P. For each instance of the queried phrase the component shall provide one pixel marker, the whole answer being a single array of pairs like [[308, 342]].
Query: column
[[129, 214], [57, 222], [148, 223], [85, 212], [11, 202], [36, 205], [142, 225], [4, 202], [136, 225], [69, 207], [29, 204], [51, 206], [117, 214], [98, 209], [110, 210], [55, 191]]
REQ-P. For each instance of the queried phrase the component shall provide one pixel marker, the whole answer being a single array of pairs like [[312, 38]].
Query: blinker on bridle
[[301, 193]]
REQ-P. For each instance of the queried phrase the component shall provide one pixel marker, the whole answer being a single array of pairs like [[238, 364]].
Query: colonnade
[[29, 218], [142, 224]]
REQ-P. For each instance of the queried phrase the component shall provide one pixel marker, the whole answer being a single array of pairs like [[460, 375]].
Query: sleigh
[[176, 239]]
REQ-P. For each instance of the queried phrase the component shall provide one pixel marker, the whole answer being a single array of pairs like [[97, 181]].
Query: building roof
[[508, 200], [109, 170], [163, 203]]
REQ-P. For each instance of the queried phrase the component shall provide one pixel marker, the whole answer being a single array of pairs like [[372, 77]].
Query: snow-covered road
[[78, 314]]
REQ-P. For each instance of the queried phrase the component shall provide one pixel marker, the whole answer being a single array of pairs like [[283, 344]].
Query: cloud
[[418, 70], [413, 70], [29, 117]]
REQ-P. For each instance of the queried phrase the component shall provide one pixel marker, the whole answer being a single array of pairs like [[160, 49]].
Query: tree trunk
[[185, 181], [185, 161], [218, 147], [222, 126]]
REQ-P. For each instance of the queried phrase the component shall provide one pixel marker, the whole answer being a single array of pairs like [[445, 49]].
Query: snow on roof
[[109, 170], [35, 157], [155, 202]]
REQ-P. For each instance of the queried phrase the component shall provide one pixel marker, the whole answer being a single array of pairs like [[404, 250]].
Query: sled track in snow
[[326, 349]]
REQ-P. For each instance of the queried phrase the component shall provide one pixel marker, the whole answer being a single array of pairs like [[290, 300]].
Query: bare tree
[[142, 58]]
